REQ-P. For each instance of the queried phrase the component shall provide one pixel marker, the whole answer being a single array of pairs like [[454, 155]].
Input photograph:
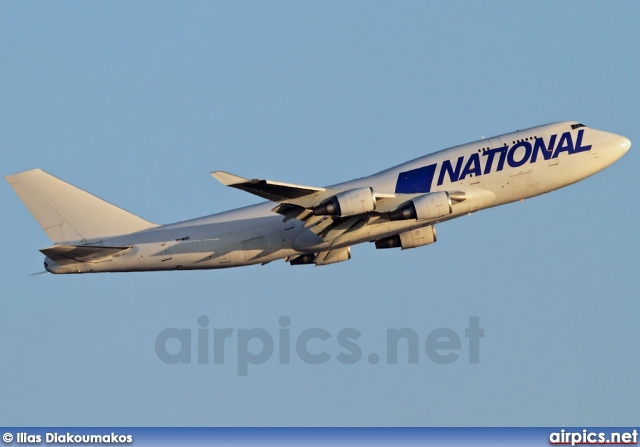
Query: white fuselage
[[490, 172]]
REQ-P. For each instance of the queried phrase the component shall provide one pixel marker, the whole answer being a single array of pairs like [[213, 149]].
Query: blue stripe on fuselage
[[416, 180], [419, 180]]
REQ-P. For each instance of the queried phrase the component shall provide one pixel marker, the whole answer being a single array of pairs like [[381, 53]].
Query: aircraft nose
[[625, 144]]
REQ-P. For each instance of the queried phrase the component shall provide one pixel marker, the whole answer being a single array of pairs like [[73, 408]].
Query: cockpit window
[[575, 126]]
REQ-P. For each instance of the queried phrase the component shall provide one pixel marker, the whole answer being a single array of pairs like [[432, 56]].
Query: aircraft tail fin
[[70, 215]]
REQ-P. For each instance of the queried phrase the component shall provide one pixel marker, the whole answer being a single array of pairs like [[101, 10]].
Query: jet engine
[[304, 259], [333, 256], [324, 257], [429, 206], [347, 203], [409, 239]]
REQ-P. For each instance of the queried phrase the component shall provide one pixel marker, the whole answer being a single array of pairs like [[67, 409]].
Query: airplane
[[398, 207]]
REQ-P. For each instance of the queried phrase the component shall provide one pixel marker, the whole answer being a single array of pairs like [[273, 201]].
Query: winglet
[[228, 179]]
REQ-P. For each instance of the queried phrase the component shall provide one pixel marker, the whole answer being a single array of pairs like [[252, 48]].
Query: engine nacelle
[[324, 257], [429, 206], [409, 239], [333, 256], [304, 259], [348, 203]]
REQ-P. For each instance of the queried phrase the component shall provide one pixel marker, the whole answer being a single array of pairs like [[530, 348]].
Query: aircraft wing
[[299, 202], [286, 193], [268, 189]]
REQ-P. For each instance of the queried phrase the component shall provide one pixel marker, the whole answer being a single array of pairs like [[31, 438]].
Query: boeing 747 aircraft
[[398, 207]]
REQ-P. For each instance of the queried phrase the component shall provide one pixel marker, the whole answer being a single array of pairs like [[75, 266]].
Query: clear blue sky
[[138, 102]]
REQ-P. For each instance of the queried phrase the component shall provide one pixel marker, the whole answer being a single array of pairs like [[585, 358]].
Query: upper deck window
[[575, 126]]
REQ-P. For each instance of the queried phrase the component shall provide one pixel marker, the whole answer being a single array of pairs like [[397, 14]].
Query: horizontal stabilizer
[[80, 253]]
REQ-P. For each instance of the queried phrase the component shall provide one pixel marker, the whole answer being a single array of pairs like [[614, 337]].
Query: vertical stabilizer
[[70, 215]]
